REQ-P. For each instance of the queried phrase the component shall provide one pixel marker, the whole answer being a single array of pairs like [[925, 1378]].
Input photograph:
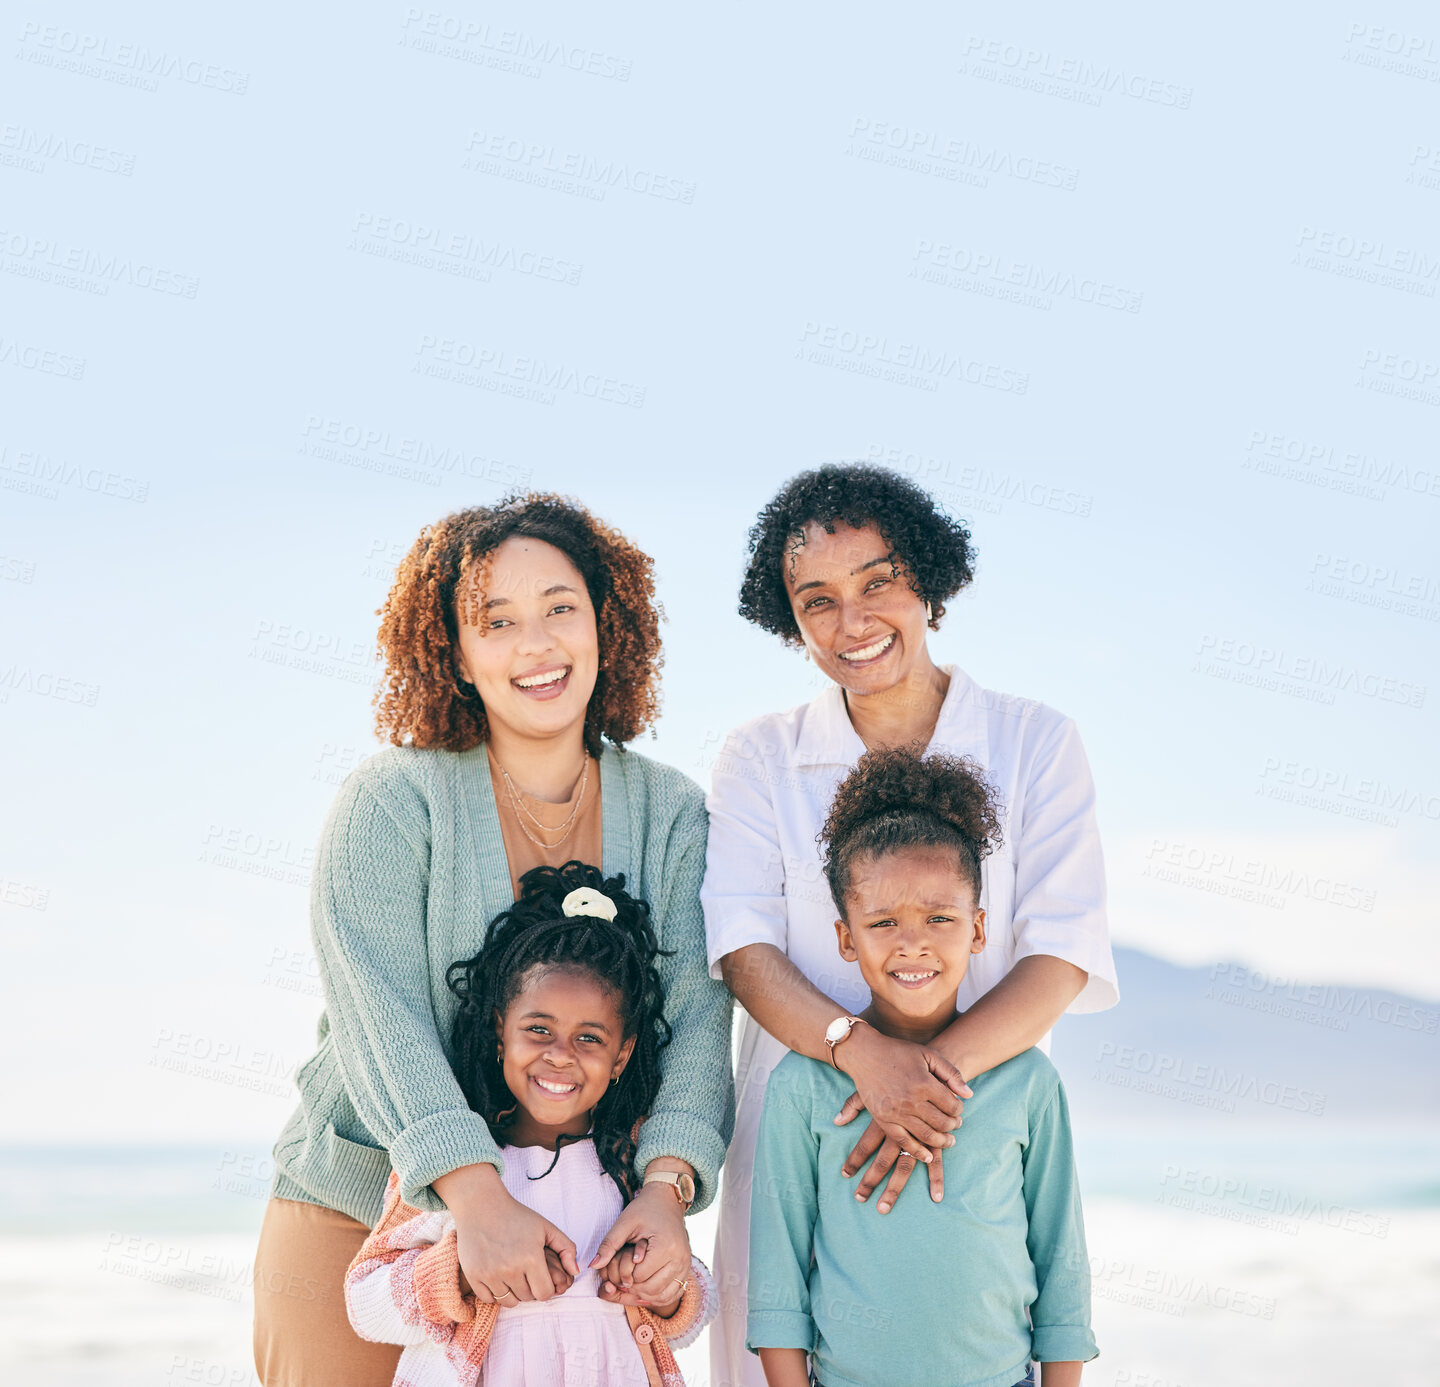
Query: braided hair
[[618, 953], [901, 798]]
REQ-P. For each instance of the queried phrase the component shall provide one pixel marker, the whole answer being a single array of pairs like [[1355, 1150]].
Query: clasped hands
[[509, 1253], [914, 1097]]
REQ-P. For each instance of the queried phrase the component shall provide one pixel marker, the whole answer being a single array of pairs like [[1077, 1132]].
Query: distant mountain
[[1194, 1043]]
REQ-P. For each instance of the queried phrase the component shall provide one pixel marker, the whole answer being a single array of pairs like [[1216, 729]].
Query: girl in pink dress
[[556, 1045]]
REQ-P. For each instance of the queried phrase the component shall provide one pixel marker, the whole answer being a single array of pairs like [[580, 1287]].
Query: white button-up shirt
[[1042, 890]]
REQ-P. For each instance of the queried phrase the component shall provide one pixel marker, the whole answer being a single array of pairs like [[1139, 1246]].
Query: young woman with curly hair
[[521, 647], [854, 565]]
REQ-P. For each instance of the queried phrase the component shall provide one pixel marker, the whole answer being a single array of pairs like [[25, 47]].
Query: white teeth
[[538, 681], [915, 977], [870, 651], [556, 1088]]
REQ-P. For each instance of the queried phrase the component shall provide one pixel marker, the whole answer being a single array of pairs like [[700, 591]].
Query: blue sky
[[1152, 307]]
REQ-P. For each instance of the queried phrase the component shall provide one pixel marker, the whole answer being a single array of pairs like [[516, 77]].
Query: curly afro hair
[[901, 798], [424, 701], [931, 549], [535, 933]]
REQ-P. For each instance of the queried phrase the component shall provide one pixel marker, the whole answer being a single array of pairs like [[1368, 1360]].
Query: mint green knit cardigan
[[410, 870]]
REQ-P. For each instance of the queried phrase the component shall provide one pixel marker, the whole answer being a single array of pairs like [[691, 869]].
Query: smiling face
[[861, 621], [561, 1042], [912, 921], [534, 655]]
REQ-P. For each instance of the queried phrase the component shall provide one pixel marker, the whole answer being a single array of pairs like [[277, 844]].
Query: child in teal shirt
[[962, 1293]]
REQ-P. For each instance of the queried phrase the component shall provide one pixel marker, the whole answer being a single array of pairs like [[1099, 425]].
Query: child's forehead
[[567, 985], [918, 876]]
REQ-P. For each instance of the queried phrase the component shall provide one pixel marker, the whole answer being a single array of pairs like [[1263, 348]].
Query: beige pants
[[303, 1336]]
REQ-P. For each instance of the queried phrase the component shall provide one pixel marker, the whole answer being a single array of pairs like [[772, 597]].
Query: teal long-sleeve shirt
[[963, 1293]]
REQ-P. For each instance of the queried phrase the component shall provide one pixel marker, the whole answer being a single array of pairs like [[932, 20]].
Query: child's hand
[[618, 1274], [617, 1284], [560, 1278]]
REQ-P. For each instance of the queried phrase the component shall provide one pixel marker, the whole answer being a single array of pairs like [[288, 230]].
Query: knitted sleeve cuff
[[437, 1283], [685, 1137], [435, 1146]]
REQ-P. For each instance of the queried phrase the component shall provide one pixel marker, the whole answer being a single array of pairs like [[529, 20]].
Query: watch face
[[837, 1030], [687, 1188]]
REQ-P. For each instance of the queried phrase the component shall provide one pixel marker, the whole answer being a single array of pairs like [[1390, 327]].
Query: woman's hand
[[914, 1098], [506, 1250], [559, 1277], [660, 1263], [893, 1160]]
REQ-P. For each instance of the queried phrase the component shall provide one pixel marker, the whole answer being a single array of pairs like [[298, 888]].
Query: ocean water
[[1239, 1259]]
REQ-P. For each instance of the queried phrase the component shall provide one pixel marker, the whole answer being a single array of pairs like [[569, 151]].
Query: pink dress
[[572, 1340], [575, 1340]]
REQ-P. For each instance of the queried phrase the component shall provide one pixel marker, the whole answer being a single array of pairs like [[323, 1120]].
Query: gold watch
[[680, 1182]]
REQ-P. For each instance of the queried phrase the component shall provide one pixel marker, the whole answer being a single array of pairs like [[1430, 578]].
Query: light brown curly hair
[[899, 797], [424, 701]]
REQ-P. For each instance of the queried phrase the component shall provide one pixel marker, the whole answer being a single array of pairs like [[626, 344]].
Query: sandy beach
[[1189, 1290]]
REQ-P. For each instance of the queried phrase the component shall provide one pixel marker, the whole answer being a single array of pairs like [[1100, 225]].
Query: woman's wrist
[[660, 1199], [470, 1186], [674, 1190], [861, 1046], [953, 1043]]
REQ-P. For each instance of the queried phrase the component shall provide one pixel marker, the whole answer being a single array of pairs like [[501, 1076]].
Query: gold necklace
[[539, 823], [521, 813]]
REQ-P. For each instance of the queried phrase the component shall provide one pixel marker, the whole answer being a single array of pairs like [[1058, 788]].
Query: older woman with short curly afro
[[854, 565], [522, 651]]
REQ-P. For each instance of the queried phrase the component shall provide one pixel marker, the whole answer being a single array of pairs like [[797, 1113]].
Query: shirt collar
[[828, 739]]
